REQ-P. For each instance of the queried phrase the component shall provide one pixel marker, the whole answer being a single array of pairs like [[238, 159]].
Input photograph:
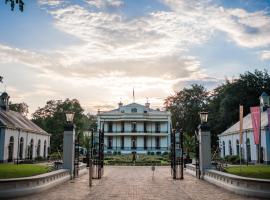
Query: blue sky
[[98, 50]]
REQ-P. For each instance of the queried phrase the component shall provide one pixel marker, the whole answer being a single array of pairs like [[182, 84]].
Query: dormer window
[[133, 110]]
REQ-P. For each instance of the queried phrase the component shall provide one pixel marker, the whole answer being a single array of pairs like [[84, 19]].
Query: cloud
[[246, 29], [105, 3], [265, 55]]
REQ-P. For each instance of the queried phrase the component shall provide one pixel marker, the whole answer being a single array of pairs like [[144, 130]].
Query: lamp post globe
[[264, 100], [69, 117], [203, 117]]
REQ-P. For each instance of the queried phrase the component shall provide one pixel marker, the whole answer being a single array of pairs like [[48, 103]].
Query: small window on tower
[[134, 110]]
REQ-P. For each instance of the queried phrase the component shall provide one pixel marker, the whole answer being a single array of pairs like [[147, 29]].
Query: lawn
[[21, 170], [252, 171]]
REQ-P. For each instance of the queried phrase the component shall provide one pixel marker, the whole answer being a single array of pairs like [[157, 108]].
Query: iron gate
[[177, 160], [97, 154]]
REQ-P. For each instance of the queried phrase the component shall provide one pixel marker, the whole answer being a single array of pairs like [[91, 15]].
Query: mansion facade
[[135, 128]]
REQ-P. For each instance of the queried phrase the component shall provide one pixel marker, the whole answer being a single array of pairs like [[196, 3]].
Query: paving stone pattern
[[136, 183]]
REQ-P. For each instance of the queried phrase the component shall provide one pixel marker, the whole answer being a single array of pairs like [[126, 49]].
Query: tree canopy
[[12, 4], [185, 106], [52, 119], [19, 107], [222, 103]]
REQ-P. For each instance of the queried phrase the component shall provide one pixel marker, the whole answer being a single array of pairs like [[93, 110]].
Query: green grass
[[21, 170], [252, 171]]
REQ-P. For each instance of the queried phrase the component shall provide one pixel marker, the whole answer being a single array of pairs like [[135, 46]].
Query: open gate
[[97, 154]]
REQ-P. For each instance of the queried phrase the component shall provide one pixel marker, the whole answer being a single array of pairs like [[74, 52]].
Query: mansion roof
[[247, 124], [15, 120], [134, 108]]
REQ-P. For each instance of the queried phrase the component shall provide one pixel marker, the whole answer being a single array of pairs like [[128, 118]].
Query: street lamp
[[203, 117], [69, 117], [264, 100]]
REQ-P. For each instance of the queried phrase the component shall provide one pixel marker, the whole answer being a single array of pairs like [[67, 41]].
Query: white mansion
[[20, 138], [229, 140], [135, 128]]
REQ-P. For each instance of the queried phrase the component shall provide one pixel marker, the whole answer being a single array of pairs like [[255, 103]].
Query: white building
[[229, 140], [135, 128], [20, 138]]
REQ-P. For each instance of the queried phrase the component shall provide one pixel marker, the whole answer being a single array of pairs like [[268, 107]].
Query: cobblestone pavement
[[136, 183]]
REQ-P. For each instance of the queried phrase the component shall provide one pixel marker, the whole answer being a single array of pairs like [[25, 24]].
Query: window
[[157, 143], [30, 150], [145, 142], [157, 127], [21, 148], [224, 149], [122, 127], [10, 149], [110, 142], [122, 142], [38, 148], [237, 147], [133, 127], [230, 147], [45, 149], [248, 150], [110, 127], [133, 110], [133, 142], [145, 127]]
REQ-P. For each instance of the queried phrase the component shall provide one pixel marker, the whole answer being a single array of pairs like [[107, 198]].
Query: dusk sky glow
[[99, 50]]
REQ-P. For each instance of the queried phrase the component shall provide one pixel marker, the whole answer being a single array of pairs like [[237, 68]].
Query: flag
[[268, 113], [241, 113], [256, 119]]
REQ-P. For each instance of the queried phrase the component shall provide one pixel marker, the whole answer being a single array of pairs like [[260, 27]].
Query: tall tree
[[51, 118], [185, 106], [19, 107], [225, 99]]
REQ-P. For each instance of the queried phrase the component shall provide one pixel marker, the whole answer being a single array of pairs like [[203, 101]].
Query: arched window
[[21, 148], [38, 148], [237, 147], [45, 149], [230, 147], [10, 149], [224, 148], [31, 149], [248, 150]]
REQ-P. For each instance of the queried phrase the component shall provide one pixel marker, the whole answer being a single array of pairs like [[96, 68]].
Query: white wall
[[253, 148], [27, 136]]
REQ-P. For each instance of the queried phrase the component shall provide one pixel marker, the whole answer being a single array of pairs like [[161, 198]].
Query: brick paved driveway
[[136, 183]]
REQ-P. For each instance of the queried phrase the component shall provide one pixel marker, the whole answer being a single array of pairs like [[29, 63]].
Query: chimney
[[120, 104], [4, 101]]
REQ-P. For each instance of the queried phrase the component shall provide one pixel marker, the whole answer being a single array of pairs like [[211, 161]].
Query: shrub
[[158, 153], [39, 158], [152, 153]]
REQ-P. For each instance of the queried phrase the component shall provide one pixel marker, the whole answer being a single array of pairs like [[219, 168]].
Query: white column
[[205, 150], [68, 149]]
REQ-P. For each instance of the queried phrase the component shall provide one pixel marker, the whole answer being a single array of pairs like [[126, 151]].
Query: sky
[[99, 50]]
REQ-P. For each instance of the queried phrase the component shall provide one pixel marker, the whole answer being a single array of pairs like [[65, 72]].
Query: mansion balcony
[[138, 133]]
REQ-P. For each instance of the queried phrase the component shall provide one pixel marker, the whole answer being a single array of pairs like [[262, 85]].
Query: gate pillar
[[68, 148], [205, 148]]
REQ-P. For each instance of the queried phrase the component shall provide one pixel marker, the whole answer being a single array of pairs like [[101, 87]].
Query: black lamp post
[[264, 104]]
